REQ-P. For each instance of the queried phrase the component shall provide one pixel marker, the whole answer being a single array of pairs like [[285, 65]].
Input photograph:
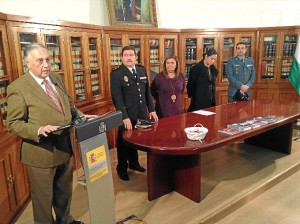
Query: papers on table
[[203, 112]]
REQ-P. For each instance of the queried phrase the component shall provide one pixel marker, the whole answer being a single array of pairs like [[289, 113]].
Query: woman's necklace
[[173, 97]]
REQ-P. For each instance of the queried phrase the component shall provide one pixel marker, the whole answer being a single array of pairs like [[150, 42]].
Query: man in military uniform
[[240, 72], [130, 94]]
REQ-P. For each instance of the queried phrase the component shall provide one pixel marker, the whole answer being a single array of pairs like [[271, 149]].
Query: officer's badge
[[125, 78]]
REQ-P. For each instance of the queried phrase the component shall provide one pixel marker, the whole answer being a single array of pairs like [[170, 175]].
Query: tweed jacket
[[30, 108]]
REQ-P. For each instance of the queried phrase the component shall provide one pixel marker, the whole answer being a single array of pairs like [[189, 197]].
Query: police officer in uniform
[[130, 94], [240, 72]]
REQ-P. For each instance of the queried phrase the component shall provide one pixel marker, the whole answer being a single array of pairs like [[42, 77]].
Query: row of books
[[267, 68], [93, 60], [134, 42], [236, 128], [190, 53], [191, 42], [79, 88], [2, 88], [286, 67], [95, 88], [154, 55], [117, 42], [55, 66], [2, 72], [3, 105], [77, 64], [115, 56], [269, 49], [54, 51], [75, 41], [289, 49], [187, 70], [95, 81], [154, 42], [169, 43], [76, 51], [52, 39]]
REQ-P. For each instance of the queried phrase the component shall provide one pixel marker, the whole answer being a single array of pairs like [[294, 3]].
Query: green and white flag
[[294, 75]]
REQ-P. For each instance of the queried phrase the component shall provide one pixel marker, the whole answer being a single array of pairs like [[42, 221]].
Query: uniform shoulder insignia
[[114, 69]]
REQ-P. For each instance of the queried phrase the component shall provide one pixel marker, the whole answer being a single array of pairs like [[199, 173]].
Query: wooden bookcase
[[275, 55], [194, 44], [85, 78], [14, 186], [5, 74], [159, 46]]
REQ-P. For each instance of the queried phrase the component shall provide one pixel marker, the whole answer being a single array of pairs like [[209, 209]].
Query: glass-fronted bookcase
[[5, 76], [277, 50]]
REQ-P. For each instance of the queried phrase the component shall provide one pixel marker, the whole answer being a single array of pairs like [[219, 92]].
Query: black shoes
[[123, 175], [76, 222], [137, 168]]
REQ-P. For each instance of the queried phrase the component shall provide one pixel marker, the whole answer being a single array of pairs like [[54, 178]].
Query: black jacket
[[198, 87], [131, 96]]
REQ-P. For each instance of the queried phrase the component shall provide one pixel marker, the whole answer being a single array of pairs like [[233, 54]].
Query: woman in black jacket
[[201, 86]]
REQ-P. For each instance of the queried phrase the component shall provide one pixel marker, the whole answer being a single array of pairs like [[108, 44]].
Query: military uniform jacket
[[30, 108], [129, 94], [240, 73]]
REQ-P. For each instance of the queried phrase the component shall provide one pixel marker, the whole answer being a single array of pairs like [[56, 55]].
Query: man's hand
[[127, 124], [88, 116], [45, 130], [244, 88], [154, 116]]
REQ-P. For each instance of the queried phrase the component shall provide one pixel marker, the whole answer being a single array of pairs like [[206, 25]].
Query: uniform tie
[[133, 72], [53, 95]]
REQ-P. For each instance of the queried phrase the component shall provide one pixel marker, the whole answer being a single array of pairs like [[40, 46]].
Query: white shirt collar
[[39, 80], [130, 69]]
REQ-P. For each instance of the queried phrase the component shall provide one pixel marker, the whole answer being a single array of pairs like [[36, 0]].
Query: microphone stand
[[76, 119]]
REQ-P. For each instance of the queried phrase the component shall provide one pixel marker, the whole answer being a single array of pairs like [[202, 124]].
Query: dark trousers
[[125, 154], [51, 188]]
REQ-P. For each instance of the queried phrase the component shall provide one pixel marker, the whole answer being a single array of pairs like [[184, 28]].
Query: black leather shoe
[[137, 168], [123, 175], [76, 222]]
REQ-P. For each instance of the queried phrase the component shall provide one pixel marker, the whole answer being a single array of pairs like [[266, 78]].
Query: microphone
[[76, 119]]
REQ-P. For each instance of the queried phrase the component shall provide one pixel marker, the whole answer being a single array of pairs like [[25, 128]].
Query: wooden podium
[[91, 136]]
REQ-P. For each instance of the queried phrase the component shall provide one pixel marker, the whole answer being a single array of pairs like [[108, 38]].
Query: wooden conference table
[[174, 162]]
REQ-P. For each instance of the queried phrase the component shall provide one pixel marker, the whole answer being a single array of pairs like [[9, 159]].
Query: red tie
[[53, 95]]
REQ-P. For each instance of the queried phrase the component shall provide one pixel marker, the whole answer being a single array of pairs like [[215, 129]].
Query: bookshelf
[[136, 41], [158, 48], [228, 50], [276, 54], [194, 47], [115, 51], [87, 84], [14, 187], [4, 77], [288, 51]]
